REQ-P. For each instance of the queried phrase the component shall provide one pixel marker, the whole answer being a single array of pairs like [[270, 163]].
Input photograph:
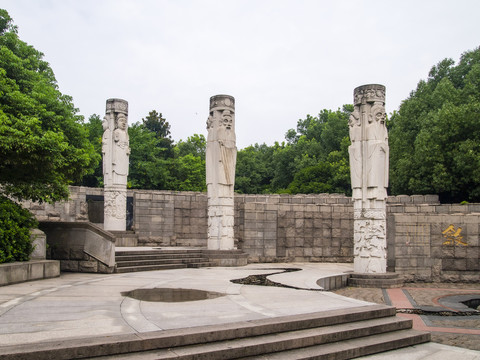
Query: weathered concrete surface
[[80, 305], [85, 306]]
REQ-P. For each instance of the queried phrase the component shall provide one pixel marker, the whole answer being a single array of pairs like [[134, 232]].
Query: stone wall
[[166, 218], [426, 240], [279, 228]]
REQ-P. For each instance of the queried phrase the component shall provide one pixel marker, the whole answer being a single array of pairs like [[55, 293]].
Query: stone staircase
[[337, 334], [146, 260]]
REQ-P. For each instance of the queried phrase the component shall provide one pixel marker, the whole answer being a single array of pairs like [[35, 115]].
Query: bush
[[15, 225]]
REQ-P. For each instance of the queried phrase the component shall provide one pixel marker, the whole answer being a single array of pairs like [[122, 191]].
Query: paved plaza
[[78, 305]]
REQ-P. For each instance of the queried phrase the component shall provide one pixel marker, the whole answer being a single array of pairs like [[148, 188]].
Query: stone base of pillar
[[220, 227], [370, 246], [115, 208]]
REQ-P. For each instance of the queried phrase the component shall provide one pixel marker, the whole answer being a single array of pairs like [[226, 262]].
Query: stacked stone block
[[437, 246], [190, 219], [317, 227], [154, 218]]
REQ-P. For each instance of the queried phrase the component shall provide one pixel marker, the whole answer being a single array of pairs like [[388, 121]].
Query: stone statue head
[[122, 122], [378, 114], [105, 123], [354, 118], [227, 119], [221, 121]]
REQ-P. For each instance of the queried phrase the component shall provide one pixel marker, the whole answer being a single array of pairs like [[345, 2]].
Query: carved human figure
[[221, 154], [368, 155], [121, 151], [116, 151], [355, 149], [107, 149], [369, 149]]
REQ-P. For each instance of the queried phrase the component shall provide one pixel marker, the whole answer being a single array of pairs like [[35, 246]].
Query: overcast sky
[[280, 59]]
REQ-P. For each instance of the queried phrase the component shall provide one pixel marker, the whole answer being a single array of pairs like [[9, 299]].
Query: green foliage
[[94, 129], [15, 225], [435, 135], [43, 146], [254, 170], [313, 159], [156, 164], [194, 145], [188, 168], [318, 147], [155, 123], [149, 164]]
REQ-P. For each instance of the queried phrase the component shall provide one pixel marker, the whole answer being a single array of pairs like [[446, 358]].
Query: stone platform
[[83, 307]]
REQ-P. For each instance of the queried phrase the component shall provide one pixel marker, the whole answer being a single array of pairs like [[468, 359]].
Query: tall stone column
[[221, 157], [369, 176], [116, 151]]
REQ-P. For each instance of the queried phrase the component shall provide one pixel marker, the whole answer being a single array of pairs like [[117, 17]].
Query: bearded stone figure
[[369, 167], [221, 156], [115, 151]]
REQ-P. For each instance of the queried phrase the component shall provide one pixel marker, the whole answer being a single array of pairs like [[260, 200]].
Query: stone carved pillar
[[369, 176], [221, 157], [116, 151]]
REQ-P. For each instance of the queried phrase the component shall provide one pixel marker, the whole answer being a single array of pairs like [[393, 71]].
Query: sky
[[280, 59]]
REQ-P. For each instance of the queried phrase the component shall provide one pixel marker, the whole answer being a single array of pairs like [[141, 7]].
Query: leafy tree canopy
[[155, 123], [435, 135], [188, 165], [43, 146]]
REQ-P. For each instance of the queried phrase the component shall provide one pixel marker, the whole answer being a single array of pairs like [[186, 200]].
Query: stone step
[[155, 252], [353, 348], [241, 339], [277, 344], [147, 260], [200, 264], [156, 256], [160, 261], [149, 268]]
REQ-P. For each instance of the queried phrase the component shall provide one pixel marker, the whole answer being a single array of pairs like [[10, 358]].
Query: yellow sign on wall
[[453, 236]]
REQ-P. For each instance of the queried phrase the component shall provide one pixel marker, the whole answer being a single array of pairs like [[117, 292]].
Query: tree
[[149, 166], [435, 135], [318, 145], [15, 225], [188, 166], [43, 146], [194, 145], [155, 123], [95, 132], [254, 170]]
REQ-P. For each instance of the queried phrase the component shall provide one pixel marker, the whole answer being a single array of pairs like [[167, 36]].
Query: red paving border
[[400, 301]]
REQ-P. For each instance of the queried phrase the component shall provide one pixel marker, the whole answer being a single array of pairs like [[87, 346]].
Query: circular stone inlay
[[171, 295]]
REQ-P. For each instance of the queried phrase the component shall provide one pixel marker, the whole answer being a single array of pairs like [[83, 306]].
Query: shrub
[[15, 225]]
